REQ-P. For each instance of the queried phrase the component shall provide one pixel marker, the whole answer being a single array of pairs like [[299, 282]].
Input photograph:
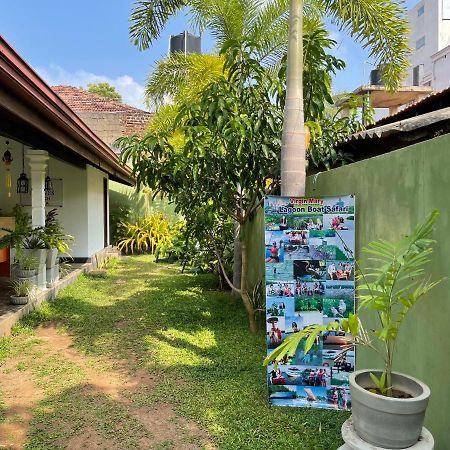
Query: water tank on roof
[[375, 77], [186, 43]]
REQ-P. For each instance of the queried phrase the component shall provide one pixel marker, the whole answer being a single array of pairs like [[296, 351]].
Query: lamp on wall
[[48, 188], [23, 182], [7, 160]]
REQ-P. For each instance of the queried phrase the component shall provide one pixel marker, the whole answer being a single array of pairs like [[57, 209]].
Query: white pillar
[[38, 160]]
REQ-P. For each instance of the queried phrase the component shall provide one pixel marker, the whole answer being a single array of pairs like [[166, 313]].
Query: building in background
[[429, 61], [430, 43], [108, 119], [185, 42]]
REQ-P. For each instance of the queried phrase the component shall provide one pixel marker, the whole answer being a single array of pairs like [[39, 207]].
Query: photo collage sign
[[310, 279]]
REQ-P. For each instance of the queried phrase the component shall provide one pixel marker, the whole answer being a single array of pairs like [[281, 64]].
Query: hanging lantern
[[48, 189], [7, 160], [23, 182], [49, 186]]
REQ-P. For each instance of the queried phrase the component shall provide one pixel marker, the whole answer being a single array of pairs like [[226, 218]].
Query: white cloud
[[131, 91]]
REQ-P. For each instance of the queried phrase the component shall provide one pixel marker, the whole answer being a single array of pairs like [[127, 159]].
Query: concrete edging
[[8, 319]]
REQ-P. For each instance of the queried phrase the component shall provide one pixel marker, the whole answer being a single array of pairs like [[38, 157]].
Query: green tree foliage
[[323, 120], [218, 156], [331, 127], [230, 158], [104, 90]]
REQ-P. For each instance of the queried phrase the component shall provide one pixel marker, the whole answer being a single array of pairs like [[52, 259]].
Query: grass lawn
[[185, 346]]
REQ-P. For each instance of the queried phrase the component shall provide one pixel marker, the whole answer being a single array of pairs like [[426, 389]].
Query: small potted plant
[[21, 291], [388, 408], [56, 241], [14, 237], [27, 266]]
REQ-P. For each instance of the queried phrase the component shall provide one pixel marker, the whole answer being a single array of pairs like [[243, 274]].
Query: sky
[[85, 41]]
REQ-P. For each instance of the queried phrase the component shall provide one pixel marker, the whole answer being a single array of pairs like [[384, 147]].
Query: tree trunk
[[237, 261], [293, 149], [245, 297]]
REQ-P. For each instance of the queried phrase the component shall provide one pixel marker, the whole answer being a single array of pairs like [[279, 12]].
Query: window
[[445, 10], [420, 11], [420, 43]]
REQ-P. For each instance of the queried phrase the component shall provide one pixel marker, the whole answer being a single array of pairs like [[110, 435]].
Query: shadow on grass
[[84, 417], [195, 340]]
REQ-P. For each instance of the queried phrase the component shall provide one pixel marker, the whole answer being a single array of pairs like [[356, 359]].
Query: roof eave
[[26, 89]]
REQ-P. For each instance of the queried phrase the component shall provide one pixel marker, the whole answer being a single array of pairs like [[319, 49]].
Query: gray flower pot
[[52, 257], [384, 421], [22, 273], [19, 300]]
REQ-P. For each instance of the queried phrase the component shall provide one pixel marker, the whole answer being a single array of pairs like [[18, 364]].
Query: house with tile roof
[[67, 165], [109, 119]]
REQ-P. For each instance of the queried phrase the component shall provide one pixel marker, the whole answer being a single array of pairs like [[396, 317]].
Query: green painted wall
[[254, 234], [394, 192]]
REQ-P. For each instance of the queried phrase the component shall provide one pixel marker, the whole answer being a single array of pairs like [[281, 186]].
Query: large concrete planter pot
[[41, 256], [39, 253], [52, 257], [384, 421]]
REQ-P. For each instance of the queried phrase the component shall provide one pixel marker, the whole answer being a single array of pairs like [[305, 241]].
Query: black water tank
[[186, 43], [375, 78]]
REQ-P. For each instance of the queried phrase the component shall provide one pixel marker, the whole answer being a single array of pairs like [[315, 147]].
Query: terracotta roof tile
[[79, 101]]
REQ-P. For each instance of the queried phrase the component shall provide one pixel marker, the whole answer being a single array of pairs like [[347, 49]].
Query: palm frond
[[223, 18], [380, 26], [182, 77], [149, 17]]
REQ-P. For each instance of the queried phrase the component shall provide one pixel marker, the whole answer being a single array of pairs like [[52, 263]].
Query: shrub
[[146, 235]]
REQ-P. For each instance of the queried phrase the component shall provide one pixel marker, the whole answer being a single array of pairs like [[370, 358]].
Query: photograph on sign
[[310, 280]]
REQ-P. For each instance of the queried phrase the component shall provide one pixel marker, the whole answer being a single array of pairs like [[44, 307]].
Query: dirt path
[[23, 391]]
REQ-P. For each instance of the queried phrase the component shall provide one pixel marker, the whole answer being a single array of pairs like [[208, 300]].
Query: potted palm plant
[[388, 407], [56, 241], [21, 291], [33, 245], [14, 237]]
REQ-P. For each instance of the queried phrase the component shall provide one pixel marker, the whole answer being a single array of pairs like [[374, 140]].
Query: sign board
[[310, 279]]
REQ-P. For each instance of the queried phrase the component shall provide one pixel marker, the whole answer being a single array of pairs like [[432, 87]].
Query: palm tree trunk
[[293, 149]]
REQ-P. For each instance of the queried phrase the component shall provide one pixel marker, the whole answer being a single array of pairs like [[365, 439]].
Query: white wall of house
[[95, 209], [82, 211], [441, 69], [73, 215], [430, 32]]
